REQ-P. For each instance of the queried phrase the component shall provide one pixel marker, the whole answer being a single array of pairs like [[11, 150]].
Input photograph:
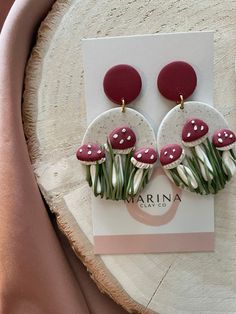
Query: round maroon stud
[[122, 83], [175, 79]]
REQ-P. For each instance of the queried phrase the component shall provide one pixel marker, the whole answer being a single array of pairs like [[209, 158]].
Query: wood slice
[[54, 119]]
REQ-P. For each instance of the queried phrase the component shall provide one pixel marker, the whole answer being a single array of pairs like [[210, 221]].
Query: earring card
[[163, 218]]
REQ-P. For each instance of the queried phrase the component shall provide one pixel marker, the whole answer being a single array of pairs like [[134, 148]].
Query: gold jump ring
[[181, 102], [122, 105]]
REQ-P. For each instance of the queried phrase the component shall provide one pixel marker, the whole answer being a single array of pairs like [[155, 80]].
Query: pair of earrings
[[119, 146]]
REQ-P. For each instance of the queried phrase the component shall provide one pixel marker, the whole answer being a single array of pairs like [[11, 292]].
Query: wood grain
[[54, 119]]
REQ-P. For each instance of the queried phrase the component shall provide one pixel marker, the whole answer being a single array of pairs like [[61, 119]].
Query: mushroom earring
[[92, 156], [197, 148], [119, 146]]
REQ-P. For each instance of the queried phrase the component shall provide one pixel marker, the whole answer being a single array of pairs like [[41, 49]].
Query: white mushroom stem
[[93, 175], [204, 161], [183, 172], [117, 171], [136, 181], [228, 162]]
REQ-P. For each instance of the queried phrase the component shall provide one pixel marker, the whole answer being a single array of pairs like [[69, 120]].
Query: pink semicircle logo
[[156, 220]]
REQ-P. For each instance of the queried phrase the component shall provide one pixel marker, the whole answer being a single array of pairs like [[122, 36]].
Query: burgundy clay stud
[[121, 83]]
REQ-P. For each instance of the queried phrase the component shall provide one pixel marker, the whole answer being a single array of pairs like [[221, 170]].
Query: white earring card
[[163, 218]]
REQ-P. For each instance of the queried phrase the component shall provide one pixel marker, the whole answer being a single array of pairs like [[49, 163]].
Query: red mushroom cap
[[122, 139], [194, 132], [171, 156], [90, 154], [144, 157], [223, 139]]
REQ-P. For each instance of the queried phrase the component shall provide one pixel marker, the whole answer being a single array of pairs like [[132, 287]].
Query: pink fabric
[[38, 272], [5, 6]]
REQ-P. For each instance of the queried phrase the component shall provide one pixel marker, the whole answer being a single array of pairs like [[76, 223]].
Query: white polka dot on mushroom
[[99, 151], [123, 130], [171, 156], [220, 140], [129, 138], [139, 156], [146, 151], [152, 157], [195, 128], [115, 136], [80, 150], [89, 146], [89, 152], [121, 141]]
